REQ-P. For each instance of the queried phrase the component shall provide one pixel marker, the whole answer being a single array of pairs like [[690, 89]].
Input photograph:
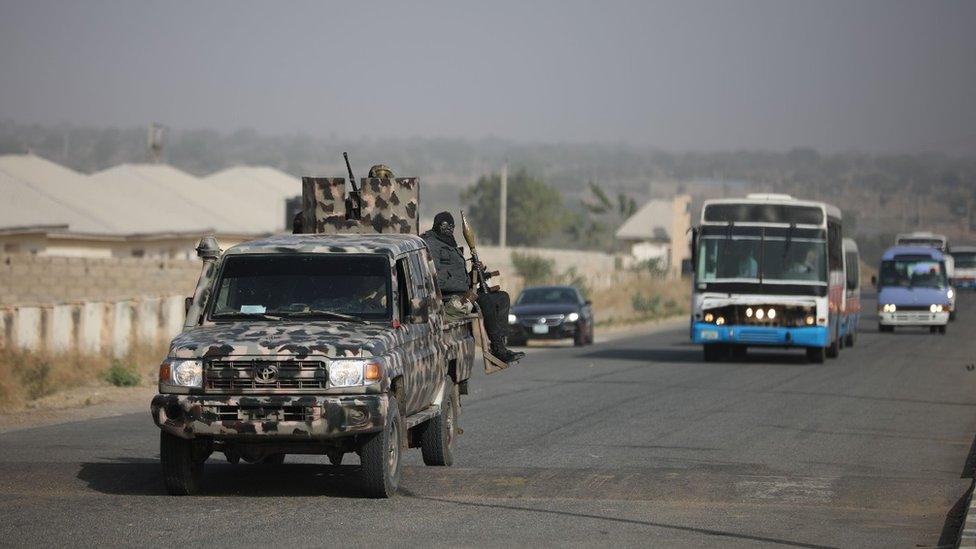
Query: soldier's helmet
[[381, 171]]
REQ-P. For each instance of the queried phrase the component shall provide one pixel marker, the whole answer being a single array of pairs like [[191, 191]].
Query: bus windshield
[[965, 260], [770, 260], [913, 273]]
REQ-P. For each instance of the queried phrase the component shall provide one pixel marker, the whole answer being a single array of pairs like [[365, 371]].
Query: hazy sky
[[866, 75]]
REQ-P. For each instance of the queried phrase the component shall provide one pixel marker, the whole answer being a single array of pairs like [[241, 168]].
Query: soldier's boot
[[500, 350]]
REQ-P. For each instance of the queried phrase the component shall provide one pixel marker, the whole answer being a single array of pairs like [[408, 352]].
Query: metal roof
[[258, 194], [388, 244], [894, 251], [651, 222]]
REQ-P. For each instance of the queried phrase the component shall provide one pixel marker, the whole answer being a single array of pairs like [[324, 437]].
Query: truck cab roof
[[386, 244]]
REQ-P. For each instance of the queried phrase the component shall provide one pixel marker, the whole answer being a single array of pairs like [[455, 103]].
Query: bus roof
[[850, 245], [781, 199], [895, 251]]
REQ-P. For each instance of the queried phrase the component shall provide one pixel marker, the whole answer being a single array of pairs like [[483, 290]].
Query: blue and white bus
[[769, 272]]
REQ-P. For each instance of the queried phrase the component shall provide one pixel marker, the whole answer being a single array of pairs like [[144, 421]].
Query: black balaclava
[[444, 228]]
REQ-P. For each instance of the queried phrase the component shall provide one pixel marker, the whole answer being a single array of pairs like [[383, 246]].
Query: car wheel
[[182, 462], [579, 338], [381, 455], [437, 436]]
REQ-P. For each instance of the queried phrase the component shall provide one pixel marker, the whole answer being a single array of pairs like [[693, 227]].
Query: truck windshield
[[965, 260], [328, 286], [770, 259], [913, 273]]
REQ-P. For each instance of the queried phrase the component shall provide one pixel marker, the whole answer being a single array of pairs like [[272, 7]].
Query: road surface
[[630, 442]]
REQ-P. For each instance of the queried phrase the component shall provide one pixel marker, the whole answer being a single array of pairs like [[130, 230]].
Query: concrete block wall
[[111, 327], [596, 267], [32, 279]]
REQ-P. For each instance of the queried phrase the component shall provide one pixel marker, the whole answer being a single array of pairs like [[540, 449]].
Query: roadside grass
[[639, 297], [26, 375]]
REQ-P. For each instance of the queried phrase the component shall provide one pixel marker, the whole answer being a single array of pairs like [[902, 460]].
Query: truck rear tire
[[182, 464], [381, 456], [437, 434], [816, 355]]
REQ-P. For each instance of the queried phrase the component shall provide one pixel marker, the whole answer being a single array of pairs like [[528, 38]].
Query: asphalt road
[[630, 442]]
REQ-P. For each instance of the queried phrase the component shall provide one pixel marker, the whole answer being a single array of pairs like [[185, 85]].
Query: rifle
[[354, 205], [477, 268]]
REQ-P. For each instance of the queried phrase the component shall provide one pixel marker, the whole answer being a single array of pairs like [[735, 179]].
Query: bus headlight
[[888, 308], [771, 314], [760, 314], [719, 321], [809, 320], [950, 293], [935, 308], [709, 317], [749, 312]]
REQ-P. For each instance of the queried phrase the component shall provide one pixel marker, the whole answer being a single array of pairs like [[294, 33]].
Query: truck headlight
[[572, 317], [353, 373], [181, 373], [512, 318]]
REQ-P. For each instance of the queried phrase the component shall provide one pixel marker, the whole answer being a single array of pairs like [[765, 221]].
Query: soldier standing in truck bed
[[455, 282]]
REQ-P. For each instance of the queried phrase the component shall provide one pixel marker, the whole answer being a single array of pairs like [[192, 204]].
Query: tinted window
[[764, 213], [913, 272], [853, 271], [965, 260], [541, 296], [308, 285]]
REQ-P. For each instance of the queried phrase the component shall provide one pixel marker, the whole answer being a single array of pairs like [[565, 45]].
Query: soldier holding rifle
[[456, 285]]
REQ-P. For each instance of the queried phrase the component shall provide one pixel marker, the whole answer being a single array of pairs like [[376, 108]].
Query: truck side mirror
[[186, 305], [874, 281], [419, 312]]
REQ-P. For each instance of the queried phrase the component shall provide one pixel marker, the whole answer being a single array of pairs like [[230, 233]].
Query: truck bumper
[[278, 417], [913, 318], [772, 336]]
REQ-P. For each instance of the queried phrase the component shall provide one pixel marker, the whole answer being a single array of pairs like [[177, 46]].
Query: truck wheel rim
[[393, 452]]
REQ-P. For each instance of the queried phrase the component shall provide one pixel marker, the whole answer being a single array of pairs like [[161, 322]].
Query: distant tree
[[535, 209], [601, 217]]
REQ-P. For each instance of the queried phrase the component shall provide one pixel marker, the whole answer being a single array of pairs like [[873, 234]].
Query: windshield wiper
[[332, 314], [262, 316]]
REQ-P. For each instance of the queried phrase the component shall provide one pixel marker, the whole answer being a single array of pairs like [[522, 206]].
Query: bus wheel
[[850, 338], [942, 329], [713, 352], [816, 355], [833, 350], [739, 352]]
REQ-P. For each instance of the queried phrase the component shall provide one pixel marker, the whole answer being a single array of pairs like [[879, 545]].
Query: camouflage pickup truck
[[325, 343]]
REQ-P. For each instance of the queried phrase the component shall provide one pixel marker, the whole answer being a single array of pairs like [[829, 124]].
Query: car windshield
[[327, 286], [771, 259], [913, 273], [544, 296], [965, 260]]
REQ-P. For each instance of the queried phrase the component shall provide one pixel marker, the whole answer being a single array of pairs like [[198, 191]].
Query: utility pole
[[503, 207]]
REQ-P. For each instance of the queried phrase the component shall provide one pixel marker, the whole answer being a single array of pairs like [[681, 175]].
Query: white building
[[658, 231]]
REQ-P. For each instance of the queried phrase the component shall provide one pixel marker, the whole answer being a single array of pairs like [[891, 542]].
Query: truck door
[[429, 354], [415, 333]]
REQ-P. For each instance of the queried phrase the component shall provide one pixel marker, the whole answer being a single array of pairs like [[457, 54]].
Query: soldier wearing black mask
[[454, 279]]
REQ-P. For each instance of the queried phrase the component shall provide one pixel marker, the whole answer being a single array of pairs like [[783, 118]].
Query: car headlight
[[181, 373], [512, 318], [572, 317], [353, 373]]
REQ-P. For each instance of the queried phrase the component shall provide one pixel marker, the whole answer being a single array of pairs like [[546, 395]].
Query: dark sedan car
[[551, 312]]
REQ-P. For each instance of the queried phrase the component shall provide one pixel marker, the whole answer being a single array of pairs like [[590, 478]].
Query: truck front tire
[[437, 434], [182, 462], [381, 456]]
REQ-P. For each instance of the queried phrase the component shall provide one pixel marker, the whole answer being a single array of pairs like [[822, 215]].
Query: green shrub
[[35, 376], [650, 305], [122, 375], [572, 277], [532, 268]]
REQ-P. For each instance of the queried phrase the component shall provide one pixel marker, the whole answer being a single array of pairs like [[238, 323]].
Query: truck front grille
[[259, 376], [263, 413]]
